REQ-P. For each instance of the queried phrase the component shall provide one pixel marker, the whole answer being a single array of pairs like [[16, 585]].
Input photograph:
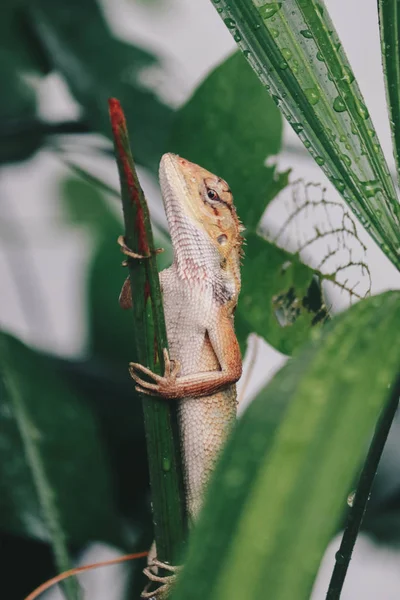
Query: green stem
[[363, 491], [150, 338]]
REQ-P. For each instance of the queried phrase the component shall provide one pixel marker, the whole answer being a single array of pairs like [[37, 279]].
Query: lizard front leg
[[226, 348]]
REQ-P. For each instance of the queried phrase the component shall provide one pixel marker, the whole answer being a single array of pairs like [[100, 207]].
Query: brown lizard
[[200, 292]]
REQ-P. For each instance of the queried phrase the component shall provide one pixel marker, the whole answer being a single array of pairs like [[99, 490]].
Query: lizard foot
[[161, 385], [128, 252], [166, 581]]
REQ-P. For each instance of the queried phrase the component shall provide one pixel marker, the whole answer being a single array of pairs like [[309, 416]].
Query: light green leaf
[[282, 482], [231, 126], [389, 21], [296, 52]]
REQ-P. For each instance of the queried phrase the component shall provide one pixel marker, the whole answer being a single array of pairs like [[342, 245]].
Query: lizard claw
[[159, 385], [166, 580], [128, 252]]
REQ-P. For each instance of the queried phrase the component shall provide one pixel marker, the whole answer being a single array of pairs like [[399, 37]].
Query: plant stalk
[[150, 338], [362, 494]]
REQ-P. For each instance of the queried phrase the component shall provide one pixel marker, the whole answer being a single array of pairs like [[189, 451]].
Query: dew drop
[[371, 133], [346, 159], [371, 187], [307, 144], [340, 558], [298, 127], [375, 148], [320, 56], [312, 95], [362, 110], [286, 53], [339, 105], [378, 213], [338, 183], [295, 70], [283, 64], [268, 10], [166, 464], [350, 498], [274, 32], [230, 23], [320, 160], [343, 138], [306, 33], [348, 75], [276, 99]]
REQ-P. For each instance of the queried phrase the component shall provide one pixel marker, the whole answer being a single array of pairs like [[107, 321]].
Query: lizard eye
[[212, 194]]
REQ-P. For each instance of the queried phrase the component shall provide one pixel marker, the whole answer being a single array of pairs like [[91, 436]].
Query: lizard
[[200, 292]]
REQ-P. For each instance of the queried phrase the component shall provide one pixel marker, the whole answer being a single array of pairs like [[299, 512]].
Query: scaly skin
[[200, 293]]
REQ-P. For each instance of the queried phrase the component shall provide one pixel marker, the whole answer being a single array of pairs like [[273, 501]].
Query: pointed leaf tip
[[117, 116]]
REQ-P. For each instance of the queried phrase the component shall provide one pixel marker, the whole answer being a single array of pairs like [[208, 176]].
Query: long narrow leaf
[[282, 482], [389, 22], [295, 50]]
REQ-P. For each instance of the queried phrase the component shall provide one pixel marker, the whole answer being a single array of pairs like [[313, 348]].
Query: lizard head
[[194, 195]]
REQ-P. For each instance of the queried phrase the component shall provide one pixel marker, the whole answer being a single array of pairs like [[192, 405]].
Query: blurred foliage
[[73, 39], [78, 423]]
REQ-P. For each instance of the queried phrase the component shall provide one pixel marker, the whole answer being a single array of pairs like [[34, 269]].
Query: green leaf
[[55, 483], [97, 66], [231, 126], [389, 21], [296, 52], [282, 482], [237, 127], [274, 296]]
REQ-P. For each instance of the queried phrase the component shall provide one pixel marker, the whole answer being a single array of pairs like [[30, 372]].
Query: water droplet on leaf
[[339, 105], [312, 95], [348, 75], [268, 10], [286, 53], [362, 110]]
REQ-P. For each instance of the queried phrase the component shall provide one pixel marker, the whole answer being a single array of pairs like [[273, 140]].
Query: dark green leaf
[[55, 480], [20, 134], [231, 126], [20, 47], [274, 297], [284, 477], [97, 66]]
